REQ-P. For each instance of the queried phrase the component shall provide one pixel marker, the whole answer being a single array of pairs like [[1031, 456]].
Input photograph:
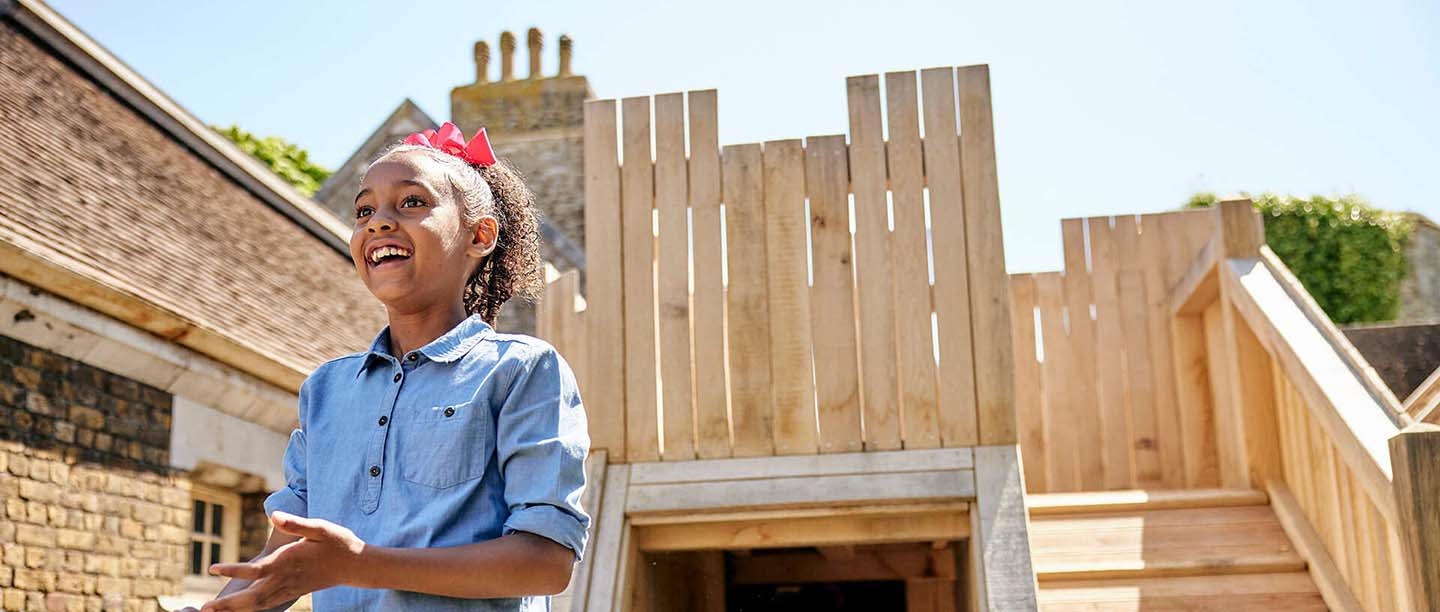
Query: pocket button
[[449, 411]]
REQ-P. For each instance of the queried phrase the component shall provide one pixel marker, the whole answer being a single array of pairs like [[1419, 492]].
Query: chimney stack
[[507, 56], [482, 62], [536, 41], [566, 50]]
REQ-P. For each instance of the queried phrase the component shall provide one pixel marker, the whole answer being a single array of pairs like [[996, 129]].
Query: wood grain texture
[[956, 369], [1109, 344], [1003, 538], [637, 182], [832, 300], [1414, 453], [748, 306], [985, 250], [712, 396], [873, 273], [673, 272], [910, 256], [1139, 379], [607, 558], [605, 390], [1085, 400], [1029, 394], [1062, 467], [1302, 534], [1153, 232], [792, 372]]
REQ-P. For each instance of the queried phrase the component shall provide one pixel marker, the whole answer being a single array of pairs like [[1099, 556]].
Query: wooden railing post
[[1245, 399], [1414, 453]]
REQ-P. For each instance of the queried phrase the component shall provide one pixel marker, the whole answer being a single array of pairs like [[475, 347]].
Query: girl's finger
[[243, 571], [313, 529]]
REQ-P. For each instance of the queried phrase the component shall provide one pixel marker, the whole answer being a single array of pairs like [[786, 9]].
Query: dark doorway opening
[[831, 596]]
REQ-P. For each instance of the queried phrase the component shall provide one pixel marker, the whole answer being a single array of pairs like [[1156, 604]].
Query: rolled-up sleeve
[[541, 442], [292, 496]]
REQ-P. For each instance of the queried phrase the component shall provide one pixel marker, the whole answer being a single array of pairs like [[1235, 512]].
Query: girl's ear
[[484, 236]]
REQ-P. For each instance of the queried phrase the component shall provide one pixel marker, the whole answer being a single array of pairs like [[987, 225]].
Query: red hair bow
[[449, 139]]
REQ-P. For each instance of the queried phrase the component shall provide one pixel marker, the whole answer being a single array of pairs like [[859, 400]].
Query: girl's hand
[[326, 555]]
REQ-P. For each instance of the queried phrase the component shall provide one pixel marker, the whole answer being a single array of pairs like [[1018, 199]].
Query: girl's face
[[411, 245]]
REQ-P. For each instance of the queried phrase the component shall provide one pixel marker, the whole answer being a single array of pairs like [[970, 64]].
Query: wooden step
[[1160, 543], [1126, 501], [1291, 591]]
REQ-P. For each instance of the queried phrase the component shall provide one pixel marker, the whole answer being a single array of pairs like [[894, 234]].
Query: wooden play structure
[[812, 385]]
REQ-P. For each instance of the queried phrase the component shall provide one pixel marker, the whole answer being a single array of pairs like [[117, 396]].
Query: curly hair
[[513, 269]]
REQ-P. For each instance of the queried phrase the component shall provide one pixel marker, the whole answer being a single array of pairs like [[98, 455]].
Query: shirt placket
[[375, 452]]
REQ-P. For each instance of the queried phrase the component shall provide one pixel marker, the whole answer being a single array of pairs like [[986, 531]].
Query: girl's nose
[[379, 223]]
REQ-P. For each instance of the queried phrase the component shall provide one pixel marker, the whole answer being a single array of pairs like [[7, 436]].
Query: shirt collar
[[449, 347]]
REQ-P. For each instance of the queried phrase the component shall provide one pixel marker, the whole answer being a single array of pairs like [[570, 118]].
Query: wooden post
[[1413, 456], [1245, 419]]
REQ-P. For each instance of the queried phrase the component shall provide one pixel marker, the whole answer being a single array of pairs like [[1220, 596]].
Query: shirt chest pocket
[[446, 445]]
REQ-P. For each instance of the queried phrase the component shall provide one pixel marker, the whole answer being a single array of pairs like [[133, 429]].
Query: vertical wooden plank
[[872, 265], [578, 591], [748, 307], [1003, 538], [673, 263], [1084, 393], [916, 349], [837, 384], [710, 578], [606, 554], [1109, 355], [712, 395], [1378, 538], [1414, 452], [1028, 383], [985, 249], [956, 370], [605, 312], [1062, 468], [1198, 345], [1327, 496], [1157, 290], [1400, 564], [1345, 506], [569, 325], [637, 183], [1258, 401], [1139, 378], [789, 292]]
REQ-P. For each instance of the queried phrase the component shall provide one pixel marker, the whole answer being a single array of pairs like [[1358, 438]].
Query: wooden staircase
[[1164, 551]]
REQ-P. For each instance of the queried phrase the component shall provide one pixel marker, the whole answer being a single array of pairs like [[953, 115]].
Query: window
[[214, 530]]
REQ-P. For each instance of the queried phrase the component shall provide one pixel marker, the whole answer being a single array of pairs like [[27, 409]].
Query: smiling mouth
[[388, 255]]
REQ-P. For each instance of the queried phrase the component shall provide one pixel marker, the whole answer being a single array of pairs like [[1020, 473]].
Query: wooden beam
[[610, 544], [1049, 504], [837, 553], [1200, 286], [604, 291], [1333, 588], [1240, 227], [595, 468], [867, 565], [1354, 420], [806, 531], [802, 491], [1005, 578], [1414, 453], [839, 464], [1421, 402], [723, 516]]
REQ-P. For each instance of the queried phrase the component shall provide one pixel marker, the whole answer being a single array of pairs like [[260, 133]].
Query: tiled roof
[[91, 186]]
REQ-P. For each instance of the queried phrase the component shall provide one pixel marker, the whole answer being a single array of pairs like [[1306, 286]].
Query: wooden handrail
[[1358, 421]]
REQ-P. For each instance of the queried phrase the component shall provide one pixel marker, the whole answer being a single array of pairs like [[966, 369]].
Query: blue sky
[[1101, 107]]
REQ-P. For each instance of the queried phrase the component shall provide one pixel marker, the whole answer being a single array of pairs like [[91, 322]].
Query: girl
[[442, 468]]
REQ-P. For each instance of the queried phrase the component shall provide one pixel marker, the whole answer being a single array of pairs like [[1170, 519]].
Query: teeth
[[387, 251]]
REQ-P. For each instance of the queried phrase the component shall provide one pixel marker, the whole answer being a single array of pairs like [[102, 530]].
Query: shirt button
[[384, 420], [413, 357], [374, 470], [449, 411], [397, 377]]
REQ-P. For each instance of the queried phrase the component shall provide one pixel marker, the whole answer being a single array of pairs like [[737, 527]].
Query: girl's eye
[[363, 211], [411, 202]]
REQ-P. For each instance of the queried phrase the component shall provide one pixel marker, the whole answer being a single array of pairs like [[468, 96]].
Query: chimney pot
[[507, 56]]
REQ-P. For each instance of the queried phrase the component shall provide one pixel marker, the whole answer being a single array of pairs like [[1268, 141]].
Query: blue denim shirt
[[473, 436]]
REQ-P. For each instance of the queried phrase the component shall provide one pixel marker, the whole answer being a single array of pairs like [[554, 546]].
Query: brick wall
[[93, 517]]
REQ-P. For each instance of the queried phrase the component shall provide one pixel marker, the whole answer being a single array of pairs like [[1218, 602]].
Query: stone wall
[[94, 519]]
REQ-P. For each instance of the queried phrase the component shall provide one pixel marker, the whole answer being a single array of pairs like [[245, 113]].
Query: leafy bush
[[1349, 255], [292, 163]]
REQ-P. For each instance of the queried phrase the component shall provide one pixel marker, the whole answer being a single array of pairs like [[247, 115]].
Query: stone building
[[162, 296], [1420, 290], [536, 121]]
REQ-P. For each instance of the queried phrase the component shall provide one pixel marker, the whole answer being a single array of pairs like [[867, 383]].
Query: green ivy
[[292, 163], [1348, 254]]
